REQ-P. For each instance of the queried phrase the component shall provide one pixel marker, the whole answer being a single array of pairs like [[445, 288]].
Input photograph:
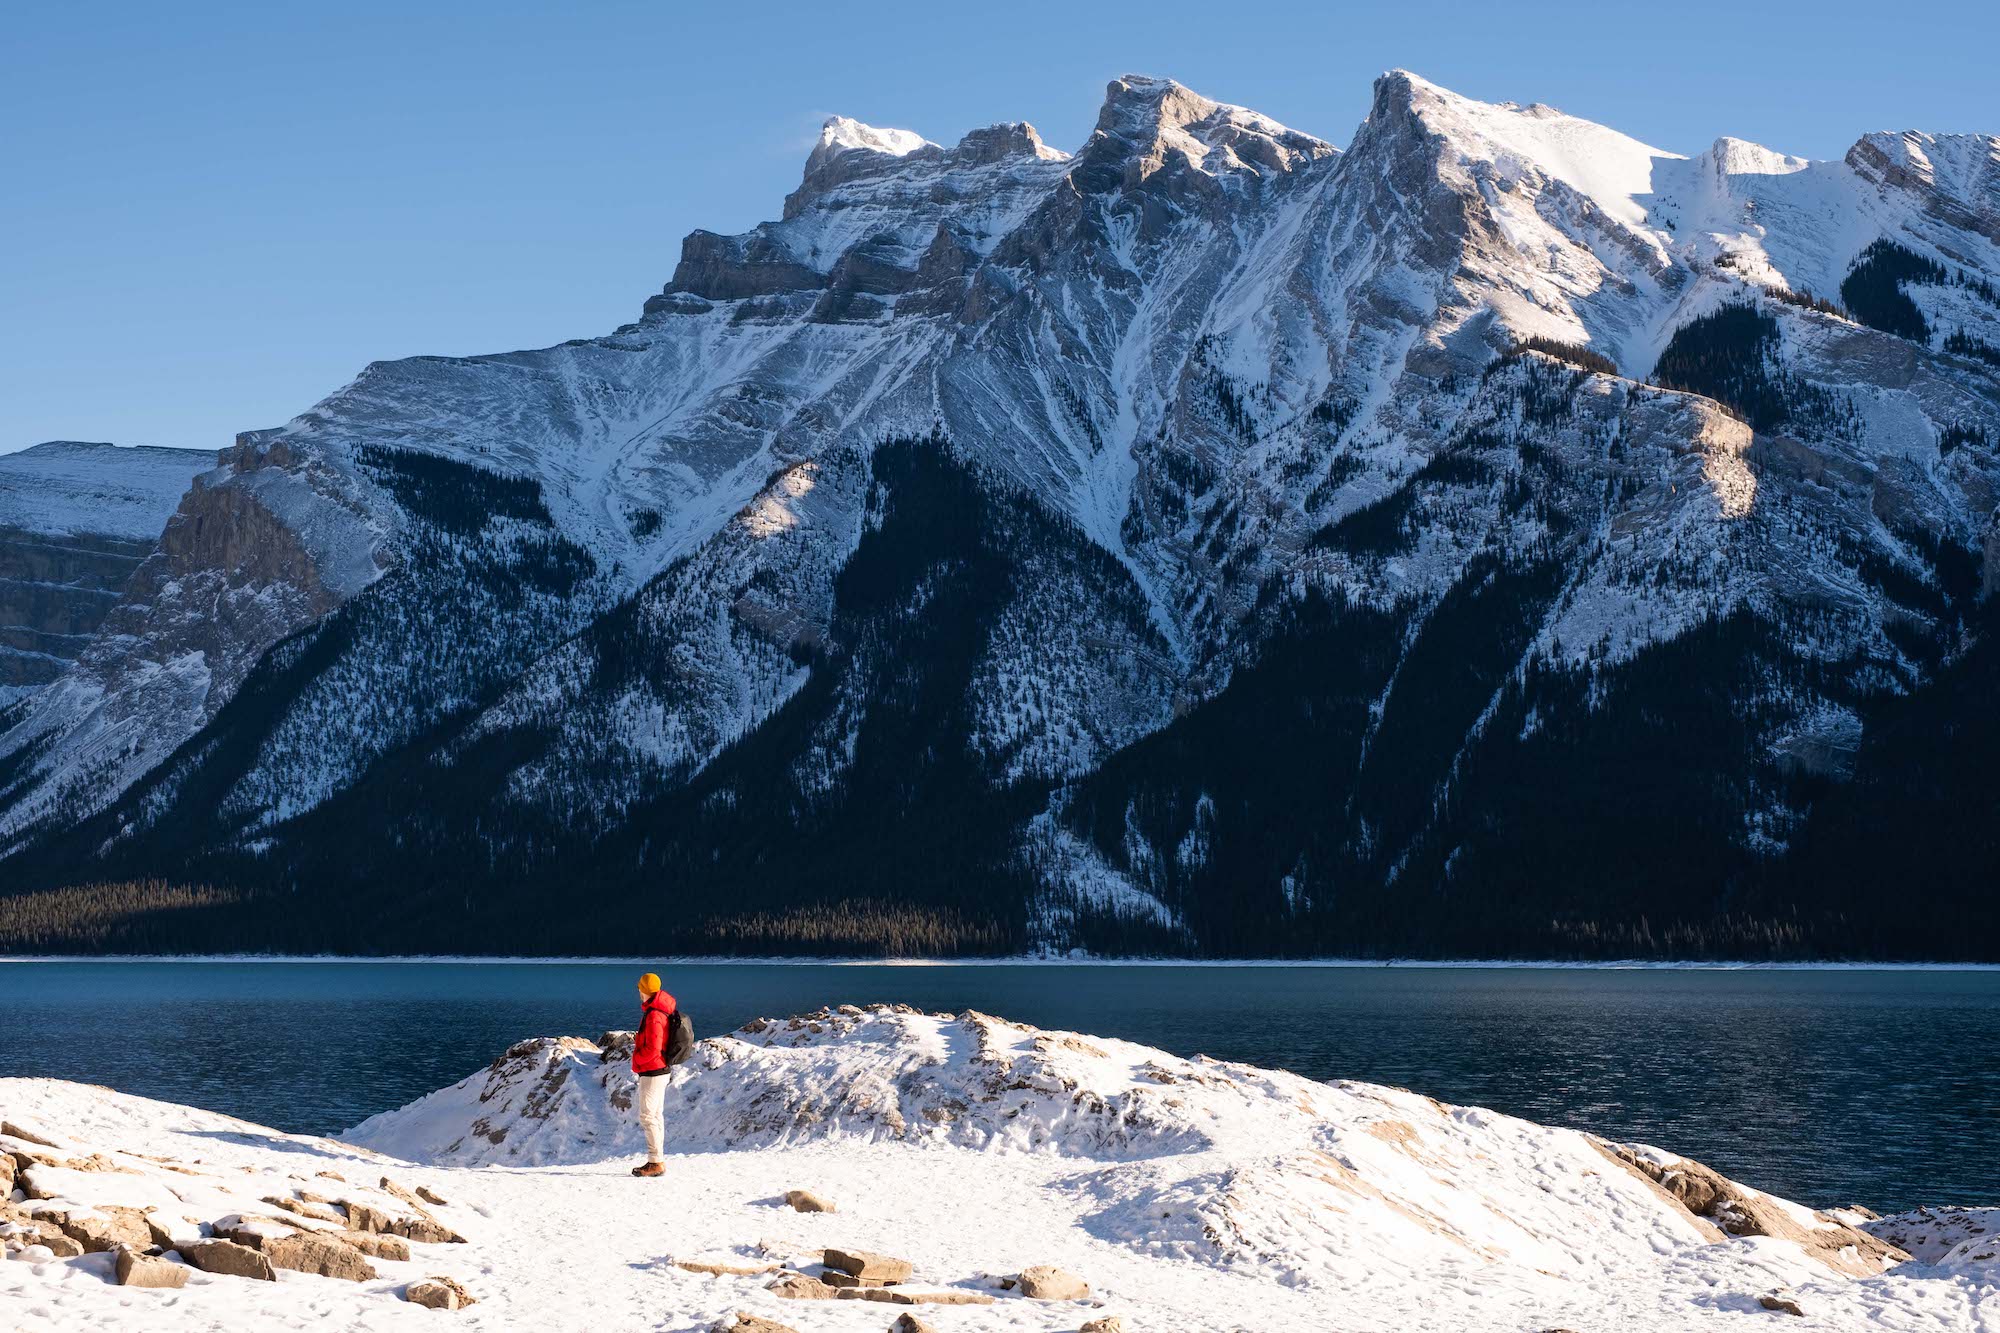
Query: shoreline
[[1024, 960]]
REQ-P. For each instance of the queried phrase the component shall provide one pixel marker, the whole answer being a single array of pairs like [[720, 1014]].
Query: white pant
[[652, 1113]]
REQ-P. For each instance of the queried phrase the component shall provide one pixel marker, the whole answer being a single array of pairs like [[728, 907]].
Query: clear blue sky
[[214, 214]]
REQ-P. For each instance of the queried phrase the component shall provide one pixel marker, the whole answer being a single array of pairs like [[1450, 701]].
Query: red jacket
[[649, 1048]]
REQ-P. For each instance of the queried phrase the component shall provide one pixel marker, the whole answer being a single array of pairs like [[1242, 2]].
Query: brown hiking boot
[[650, 1169]]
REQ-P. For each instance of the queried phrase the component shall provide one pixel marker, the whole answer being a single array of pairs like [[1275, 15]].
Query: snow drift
[[1189, 1193]]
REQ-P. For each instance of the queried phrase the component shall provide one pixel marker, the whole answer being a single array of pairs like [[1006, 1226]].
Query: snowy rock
[[318, 1212], [375, 1245], [724, 1267], [228, 1258], [745, 1322], [1111, 1323], [1045, 1282], [1737, 1211], [134, 1269], [438, 1293], [805, 1201], [803, 1287], [323, 1256], [1780, 1305], [108, 1228], [1948, 1237], [13, 1130], [909, 1323], [867, 1267]]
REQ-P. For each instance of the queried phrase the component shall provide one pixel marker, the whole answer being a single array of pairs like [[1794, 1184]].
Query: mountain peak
[[1609, 168], [844, 134], [1013, 138], [1146, 120], [848, 148]]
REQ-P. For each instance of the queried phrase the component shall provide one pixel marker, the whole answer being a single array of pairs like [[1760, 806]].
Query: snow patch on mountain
[[68, 487]]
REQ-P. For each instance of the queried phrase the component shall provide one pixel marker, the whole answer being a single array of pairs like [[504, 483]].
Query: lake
[[1824, 1085]]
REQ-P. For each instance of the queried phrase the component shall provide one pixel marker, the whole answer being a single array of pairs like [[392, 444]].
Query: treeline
[[1731, 355], [868, 927], [126, 916], [1574, 353]]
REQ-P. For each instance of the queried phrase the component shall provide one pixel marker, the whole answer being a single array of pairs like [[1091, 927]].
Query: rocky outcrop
[[76, 520], [229, 1259], [133, 1269], [1735, 1210]]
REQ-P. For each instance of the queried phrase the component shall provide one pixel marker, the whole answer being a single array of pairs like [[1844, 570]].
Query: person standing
[[649, 1062]]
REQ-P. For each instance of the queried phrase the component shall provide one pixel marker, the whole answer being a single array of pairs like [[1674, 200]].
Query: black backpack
[[680, 1038]]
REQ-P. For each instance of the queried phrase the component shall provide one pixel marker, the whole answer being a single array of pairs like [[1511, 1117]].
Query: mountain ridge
[[1243, 406]]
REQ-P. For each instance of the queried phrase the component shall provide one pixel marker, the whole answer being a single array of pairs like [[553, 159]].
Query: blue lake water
[[1826, 1086]]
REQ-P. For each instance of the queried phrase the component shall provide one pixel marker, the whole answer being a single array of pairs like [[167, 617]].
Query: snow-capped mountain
[[75, 520], [1500, 535]]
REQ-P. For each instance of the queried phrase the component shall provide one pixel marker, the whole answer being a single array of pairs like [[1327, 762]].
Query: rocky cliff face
[[75, 521], [1211, 540]]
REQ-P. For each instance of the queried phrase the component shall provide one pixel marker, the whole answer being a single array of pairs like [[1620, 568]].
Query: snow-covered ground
[[1188, 1194]]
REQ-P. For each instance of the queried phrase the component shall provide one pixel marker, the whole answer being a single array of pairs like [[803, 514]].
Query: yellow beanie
[[650, 984]]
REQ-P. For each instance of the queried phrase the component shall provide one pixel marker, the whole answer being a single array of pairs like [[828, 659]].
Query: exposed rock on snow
[[229, 1258], [805, 1201], [1736, 1211], [439, 1293], [1046, 1282], [867, 1267], [745, 1322], [134, 1269]]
